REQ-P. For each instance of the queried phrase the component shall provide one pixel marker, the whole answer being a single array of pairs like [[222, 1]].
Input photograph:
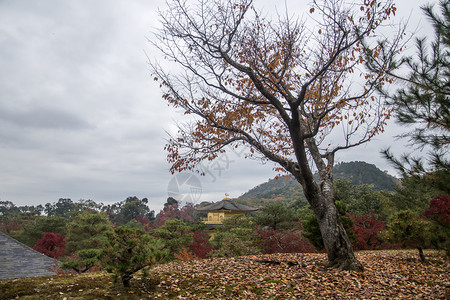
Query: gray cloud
[[44, 118]]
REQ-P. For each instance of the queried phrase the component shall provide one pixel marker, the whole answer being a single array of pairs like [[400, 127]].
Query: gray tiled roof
[[226, 205], [18, 260]]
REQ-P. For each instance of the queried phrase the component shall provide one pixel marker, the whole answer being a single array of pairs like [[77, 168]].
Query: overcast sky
[[81, 118]]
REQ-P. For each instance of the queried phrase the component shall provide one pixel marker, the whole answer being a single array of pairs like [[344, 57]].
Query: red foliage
[[186, 213], [7, 227], [200, 246], [184, 255], [51, 244], [145, 221], [439, 209], [284, 242], [366, 229], [171, 212]]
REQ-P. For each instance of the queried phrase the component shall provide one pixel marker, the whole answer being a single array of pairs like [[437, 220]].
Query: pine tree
[[86, 240], [425, 101], [176, 234], [409, 229], [130, 250]]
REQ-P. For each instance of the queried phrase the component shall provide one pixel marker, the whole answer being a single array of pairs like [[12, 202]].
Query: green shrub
[[130, 250]]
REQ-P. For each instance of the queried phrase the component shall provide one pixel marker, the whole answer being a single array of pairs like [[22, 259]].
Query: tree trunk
[[321, 198], [421, 255], [126, 279], [335, 239]]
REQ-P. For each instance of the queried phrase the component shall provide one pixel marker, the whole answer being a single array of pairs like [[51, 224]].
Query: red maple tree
[[51, 244], [200, 246], [439, 209], [366, 228]]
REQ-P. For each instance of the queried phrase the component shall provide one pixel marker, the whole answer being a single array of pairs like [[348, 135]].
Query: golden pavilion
[[222, 210]]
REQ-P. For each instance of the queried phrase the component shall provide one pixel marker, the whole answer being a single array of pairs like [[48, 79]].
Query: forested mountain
[[358, 172], [282, 186]]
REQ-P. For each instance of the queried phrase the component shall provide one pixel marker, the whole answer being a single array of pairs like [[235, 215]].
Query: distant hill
[[282, 189], [357, 172], [273, 188]]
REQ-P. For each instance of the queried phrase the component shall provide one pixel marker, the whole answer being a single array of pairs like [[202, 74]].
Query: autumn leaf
[[387, 274]]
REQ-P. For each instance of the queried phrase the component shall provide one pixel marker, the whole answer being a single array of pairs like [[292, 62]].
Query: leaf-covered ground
[[387, 275]]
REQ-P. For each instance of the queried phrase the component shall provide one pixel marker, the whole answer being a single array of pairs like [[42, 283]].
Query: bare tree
[[279, 87]]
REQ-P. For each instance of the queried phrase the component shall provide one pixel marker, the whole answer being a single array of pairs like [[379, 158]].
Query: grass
[[387, 274]]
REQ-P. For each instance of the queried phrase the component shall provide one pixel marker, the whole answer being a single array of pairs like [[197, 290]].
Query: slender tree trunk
[[126, 279], [421, 255]]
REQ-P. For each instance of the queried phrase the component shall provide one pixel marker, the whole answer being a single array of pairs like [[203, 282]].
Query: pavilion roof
[[226, 205], [18, 260]]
